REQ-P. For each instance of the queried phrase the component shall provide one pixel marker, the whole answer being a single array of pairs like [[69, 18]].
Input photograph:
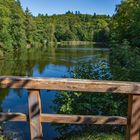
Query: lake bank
[[75, 43]]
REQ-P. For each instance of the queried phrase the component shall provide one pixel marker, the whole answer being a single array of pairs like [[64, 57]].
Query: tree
[[29, 27], [5, 37], [17, 27], [125, 23], [18, 3]]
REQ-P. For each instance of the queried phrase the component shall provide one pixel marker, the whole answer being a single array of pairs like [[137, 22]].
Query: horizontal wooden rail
[[36, 117], [83, 119], [16, 117], [67, 119], [70, 85]]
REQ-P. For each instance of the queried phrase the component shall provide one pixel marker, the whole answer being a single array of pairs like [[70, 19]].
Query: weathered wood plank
[[73, 119], [83, 119], [34, 115], [70, 85], [16, 117], [133, 124]]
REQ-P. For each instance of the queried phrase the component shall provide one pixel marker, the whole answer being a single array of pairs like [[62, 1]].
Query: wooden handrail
[[36, 117], [67, 119], [70, 84]]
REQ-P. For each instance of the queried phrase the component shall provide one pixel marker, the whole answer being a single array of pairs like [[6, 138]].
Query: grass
[[90, 134]]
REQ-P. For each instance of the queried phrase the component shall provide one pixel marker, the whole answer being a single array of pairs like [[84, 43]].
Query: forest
[[120, 32], [19, 28]]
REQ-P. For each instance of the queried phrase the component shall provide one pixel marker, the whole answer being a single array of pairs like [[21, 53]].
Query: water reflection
[[48, 62]]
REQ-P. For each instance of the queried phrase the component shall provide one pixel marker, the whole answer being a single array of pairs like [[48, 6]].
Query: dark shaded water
[[49, 62]]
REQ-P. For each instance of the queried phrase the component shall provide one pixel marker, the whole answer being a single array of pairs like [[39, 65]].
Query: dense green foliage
[[125, 23], [19, 28], [91, 104], [125, 36], [79, 103], [12, 29], [125, 62], [81, 27]]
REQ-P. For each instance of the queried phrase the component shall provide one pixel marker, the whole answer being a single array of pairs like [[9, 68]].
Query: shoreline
[[74, 43]]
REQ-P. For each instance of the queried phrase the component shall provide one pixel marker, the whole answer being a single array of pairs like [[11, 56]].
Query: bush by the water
[[88, 103]]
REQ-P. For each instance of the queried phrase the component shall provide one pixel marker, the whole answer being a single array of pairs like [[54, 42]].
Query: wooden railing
[[36, 117]]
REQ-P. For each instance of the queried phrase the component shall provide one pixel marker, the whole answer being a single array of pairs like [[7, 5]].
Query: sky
[[51, 7]]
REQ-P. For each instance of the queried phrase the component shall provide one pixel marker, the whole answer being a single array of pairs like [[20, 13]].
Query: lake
[[43, 62]]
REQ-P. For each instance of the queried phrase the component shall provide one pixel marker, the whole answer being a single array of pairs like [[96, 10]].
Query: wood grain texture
[[133, 124], [34, 106], [83, 119], [67, 119], [16, 117], [70, 85]]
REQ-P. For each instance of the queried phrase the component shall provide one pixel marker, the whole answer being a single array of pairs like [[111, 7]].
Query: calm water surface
[[48, 62]]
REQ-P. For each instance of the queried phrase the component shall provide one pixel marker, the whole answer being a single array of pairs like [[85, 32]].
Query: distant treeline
[[19, 28], [80, 43]]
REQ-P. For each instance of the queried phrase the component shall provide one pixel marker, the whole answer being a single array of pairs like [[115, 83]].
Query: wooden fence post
[[133, 123], [34, 106]]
